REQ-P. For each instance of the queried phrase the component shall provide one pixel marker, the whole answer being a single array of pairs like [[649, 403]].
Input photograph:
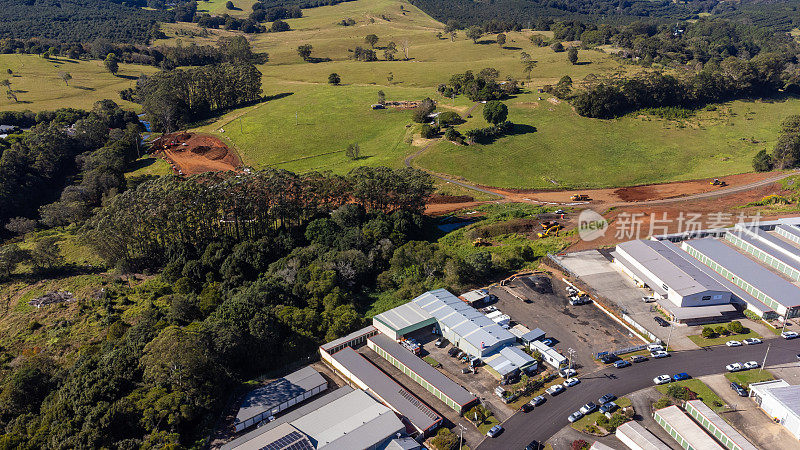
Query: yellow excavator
[[717, 182], [580, 198], [552, 231]]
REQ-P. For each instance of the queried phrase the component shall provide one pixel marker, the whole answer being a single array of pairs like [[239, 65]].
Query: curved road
[[546, 420]]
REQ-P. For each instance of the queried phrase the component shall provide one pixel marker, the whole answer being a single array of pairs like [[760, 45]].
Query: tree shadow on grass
[[128, 77], [583, 63], [141, 164], [507, 47], [85, 88], [315, 60]]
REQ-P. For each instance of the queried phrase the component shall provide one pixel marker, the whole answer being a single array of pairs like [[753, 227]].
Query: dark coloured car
[[739, 389], [526, 407], [453, 351], [680, 376], [621, 363], [609, 407], [606, 398], [608, 359], [534, 445], [638, 358]]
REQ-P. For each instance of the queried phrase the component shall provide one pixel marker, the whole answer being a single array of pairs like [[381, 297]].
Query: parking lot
[[583, 328]]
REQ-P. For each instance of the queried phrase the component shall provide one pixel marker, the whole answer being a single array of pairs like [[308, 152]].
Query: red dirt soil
[[191, 154]]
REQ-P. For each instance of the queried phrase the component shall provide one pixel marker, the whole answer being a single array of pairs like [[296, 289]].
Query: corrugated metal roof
[[395, 396], [721, 425], [789, 229], [763, 279], [447, 386], [281, 390], [533, 335], [771, 245], [403, 316], [356, 415], [641, 436], [474, 295], [462, 319], [509, 359], [336, 342], [682, 277], [690, 431], [787, 395]]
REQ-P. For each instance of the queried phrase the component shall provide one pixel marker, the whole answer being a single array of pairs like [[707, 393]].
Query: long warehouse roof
[[763, 279], [403, 316], [687, 429], [792, 230], [462, 319], [395, 396], [672, 270], [773, 246], [437, 379], [714, 419], [279, 391]]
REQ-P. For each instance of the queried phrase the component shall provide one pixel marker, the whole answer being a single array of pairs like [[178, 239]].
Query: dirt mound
[[190, 153], [637, 193]]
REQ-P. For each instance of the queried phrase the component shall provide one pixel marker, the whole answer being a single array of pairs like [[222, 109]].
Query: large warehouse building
[[355, 368], [687, 433], [701, 277], [781, 402], [402, 320], [344, 419], [281, 394], [445, 389]]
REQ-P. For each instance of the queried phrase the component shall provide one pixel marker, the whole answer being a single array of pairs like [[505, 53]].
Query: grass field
[[217, 7], [38, 85], [704, 393], [747, 377], [720, 340]]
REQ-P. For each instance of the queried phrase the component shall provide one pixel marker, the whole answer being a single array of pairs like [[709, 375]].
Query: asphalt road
[[545, 420]]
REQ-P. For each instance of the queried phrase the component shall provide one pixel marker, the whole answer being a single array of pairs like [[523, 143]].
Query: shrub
[[421, 112], [721, 330], [495, 112], [453, 135], [663, 402], [708, 333], [445, 440], [334, 79], [580, 444], [557, 47], [229, 5], [736, 327], [429, 131], [448, 118]]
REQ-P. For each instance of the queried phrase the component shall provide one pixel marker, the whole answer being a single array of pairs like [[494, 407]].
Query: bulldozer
[[717, 182], [481, 242], [552, 231], [579, 197]]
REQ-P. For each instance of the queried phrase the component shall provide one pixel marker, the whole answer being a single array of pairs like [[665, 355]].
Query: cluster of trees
[[92, 147], [171, 99], [363, 54], [481, 87], [734, 327], [786, 153], [763, 75]]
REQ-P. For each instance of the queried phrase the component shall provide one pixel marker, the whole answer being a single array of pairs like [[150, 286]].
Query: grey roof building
[[359, 371], [768, 249], [637, 437], [781, 401], [281, 394], [397, 322], [687, 433]]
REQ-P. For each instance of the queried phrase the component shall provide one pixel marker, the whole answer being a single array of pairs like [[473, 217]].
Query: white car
[[733, 344], [659, 354], [735, 367], [567, 373], [494, 431], [751, 365], [662, 379], [752, 341], [555, 389], [789, 335], [569, 382], [655, 347]]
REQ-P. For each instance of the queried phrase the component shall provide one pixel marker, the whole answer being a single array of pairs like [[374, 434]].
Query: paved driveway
[[545, 421]]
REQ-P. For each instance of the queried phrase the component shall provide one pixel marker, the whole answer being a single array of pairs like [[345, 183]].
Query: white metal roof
[[689, 431], [403, 316], [641, 436], [474, 295], [279, 391], [682, 277], [509, 359], [784, 393]]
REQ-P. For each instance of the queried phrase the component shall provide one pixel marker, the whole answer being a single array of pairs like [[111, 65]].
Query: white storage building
[[637, 437], [549, 354], [781, 402]]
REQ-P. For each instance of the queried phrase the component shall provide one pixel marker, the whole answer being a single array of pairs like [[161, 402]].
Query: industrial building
[[463, 325], [279, 395], [637, 437], [549, 354], [781, 402], [343, 419], [655, 265], [510, 361], [774, 291], [443, 388], [476, 297], [716, 426], [770, 250], [688, 434], [402, 320], [357, 370], [354, 340]]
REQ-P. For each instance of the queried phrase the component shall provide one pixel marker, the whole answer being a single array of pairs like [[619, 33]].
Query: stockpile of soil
[[190, 153]]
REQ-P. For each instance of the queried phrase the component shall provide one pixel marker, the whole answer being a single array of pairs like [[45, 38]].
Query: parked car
[[526, 407], [638, 358], [789, 335], [680, 376], [588, 408], [534, 445], [662, 379], [735, 367], [567, 373], [622, 363], [752, 341], [608, 359], [733, 343], [648, 299], [659, 354], [751, 365], [655, 347], [494, 431], [606, 398], [555, 389], [569, 382], [609, 407], [661, 321], [441, 342], [536, 401], [739, 389], [574, 417], [453, 351]]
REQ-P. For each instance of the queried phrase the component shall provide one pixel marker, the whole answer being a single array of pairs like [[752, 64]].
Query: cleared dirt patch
[[191, 154]]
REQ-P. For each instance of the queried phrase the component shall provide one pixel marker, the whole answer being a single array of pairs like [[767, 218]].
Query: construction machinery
[[552, 231], [481, 242], [548, 224], [580, 198], [717, 182]]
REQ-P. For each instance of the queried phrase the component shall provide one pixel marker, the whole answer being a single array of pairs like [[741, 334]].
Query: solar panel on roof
[[415, 401], [292, 441]]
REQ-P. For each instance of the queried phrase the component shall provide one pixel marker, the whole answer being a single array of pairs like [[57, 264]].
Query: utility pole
[[571, 353], [461, 438], [671, 327], [785, 320], [763, 363]]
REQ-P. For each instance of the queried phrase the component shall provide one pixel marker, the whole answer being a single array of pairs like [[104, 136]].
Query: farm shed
[[357, 370], [445, 389], [475, 297], [281, 394]]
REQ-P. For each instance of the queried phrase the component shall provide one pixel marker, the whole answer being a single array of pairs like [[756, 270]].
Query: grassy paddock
[[747, 377]]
